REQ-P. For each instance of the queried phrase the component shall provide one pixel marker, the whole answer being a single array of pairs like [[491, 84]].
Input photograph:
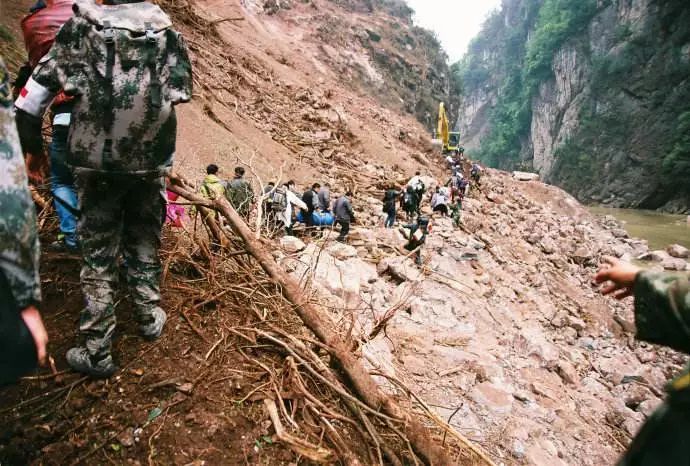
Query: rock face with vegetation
[[594, 95]]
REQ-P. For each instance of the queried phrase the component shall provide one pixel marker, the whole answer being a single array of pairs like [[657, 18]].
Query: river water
[[657, 228]]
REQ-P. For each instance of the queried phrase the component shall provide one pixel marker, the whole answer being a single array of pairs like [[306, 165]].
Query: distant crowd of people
[[282, 207]]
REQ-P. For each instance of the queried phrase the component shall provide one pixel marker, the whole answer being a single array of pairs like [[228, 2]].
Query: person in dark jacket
[[325, 198], [240, 193], [344, 215], [662, 316], [311, 199], [390, 204], [417, 236]]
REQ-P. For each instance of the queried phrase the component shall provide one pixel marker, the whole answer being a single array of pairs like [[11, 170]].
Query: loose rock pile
[[501, 330]]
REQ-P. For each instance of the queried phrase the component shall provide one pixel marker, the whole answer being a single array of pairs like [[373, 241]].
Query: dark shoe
[[153, 329], [62, 247], [79, 359]]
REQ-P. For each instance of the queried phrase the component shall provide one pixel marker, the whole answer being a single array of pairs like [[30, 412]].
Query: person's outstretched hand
[[619, 277], [32, 319]]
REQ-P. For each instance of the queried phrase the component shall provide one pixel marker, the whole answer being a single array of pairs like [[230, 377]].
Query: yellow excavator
[[450, 141]]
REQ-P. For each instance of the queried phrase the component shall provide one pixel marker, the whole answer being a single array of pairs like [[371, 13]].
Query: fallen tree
[[419, 435]]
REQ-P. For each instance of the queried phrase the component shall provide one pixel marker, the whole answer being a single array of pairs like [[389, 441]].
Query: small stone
[[678, 251], [581, 255], [654, 256], [186, 388], [576, 323], [568, 373], [674, 264], [619, 233], [587, 343], [126, 438], [341, 251], [525, 176], [291, 244], [518, 450], [493, 398], [560, 320]]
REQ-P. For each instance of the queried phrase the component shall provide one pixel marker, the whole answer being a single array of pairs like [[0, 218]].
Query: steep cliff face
[[594, 95]]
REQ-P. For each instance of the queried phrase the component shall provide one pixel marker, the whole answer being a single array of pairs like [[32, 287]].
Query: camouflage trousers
[[120, 214]]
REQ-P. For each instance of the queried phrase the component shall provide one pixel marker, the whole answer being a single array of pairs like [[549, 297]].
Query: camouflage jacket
[[240, 194], [124, 118], [662, 316], [19, 250]]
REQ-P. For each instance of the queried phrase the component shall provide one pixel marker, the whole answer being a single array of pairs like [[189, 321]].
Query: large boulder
[[525, 176], [401, 268], [291, 244], [678, 251], [674, 264], [654, 256], [341, 251]]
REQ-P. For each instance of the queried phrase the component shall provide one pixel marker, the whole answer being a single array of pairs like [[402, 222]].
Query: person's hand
[[619, 277], [32, 319]]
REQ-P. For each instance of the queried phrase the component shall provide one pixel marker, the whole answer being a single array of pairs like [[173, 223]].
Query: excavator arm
[[443, 130]]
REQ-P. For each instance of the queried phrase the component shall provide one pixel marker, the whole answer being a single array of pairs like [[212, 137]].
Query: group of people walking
[[282, 206]]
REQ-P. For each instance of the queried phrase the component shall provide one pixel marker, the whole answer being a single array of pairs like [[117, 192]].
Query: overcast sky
[[455, 22]]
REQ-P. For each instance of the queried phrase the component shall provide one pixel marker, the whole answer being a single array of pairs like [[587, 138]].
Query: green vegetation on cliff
[[593, 93], [522, 53]]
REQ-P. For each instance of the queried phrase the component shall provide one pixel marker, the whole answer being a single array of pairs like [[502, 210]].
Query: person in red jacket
[[40, 27]]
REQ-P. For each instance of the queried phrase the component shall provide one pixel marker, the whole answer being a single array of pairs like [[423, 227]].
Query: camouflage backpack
[[127, 68], [279, 200]]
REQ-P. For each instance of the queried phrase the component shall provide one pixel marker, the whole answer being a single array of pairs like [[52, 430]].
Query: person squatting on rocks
[[418, 232], [311, 200], [283, 203], [662, 316], [325, 198], [23, 337], [118, 153], [439, 201], [39, 29], [456, 212], [476, 174], [390, 205], [344, 215], [240, 194]]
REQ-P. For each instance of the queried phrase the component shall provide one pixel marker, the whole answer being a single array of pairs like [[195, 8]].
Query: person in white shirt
[[291, 200]]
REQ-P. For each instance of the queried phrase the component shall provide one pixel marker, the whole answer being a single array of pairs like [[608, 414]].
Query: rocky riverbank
[[501, 330]]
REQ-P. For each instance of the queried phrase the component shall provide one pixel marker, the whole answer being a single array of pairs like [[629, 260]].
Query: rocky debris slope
[[501, 330]]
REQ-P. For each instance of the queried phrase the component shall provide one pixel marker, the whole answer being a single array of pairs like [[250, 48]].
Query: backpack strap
[[108, 116], [155, 85]]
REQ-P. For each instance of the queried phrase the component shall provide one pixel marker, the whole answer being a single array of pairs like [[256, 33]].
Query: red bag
[[41, 27]]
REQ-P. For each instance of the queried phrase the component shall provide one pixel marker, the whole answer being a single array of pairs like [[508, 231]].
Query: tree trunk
[[315, 318]]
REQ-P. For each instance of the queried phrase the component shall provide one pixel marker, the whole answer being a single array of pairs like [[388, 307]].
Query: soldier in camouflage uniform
[[662, 316], [22, 335], [240, 193], [127, 69]]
